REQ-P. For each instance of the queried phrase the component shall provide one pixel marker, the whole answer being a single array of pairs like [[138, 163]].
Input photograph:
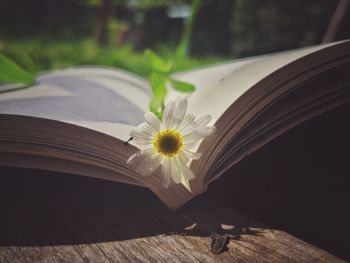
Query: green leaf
[[182, 86], [157, 106], [158, 84], [156, 62], [10, 72]]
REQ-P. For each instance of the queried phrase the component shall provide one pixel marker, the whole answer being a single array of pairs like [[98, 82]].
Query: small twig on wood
[[126, 143]]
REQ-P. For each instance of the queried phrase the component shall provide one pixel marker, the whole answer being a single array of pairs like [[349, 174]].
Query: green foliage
[[157, 106], [184, 44], [158, 84], [182, 86], [159, 79], [10, 72], [157, 64], [146, 4], [37, 55]]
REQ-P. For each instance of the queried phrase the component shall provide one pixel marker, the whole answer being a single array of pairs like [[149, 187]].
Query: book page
[[106, 100], [221, 85]]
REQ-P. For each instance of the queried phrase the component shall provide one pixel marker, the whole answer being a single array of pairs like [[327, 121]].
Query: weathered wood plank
[[48, 217]]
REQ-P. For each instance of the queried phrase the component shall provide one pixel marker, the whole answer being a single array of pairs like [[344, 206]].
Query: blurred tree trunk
[[224, 31], [337, 18], [102, 26], [214, 31]]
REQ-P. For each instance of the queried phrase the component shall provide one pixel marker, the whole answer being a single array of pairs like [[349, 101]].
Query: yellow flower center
[[168, 142]]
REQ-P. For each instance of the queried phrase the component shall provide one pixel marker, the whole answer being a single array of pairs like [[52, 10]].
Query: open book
[[77, 120]]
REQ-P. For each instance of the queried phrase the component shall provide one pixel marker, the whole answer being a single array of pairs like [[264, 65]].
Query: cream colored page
[[106, 100], [118, 130], [126, 84], [204, 78], [221, 85]]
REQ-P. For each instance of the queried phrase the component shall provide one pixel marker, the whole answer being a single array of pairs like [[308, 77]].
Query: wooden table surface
[[51, 217]]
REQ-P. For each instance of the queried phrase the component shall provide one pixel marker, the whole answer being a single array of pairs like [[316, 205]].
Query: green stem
[[184, 44]]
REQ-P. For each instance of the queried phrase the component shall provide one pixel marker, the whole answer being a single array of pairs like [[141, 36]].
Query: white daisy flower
[[169, 143]]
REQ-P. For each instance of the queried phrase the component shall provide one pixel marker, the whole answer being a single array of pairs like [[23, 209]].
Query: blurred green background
[[51, 34]]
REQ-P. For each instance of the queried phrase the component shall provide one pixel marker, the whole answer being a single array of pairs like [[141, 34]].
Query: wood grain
[[50, 217]]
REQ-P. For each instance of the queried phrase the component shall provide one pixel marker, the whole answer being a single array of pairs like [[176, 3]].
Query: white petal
[[168, 116], [187, 124], [141, 141], [166, 172], [145, 128], [140, 156], [203, 121], [179, 113], [199, 133], [153, 120], [191, 144], [150, 164], [193, 155], [188, 129], [133, 158], [143, 132], [193, 137], [206, 131], [185, 182], [142, 137], [185, 170], [183, 157], [175, 171], [139, 135], [142, 145]]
